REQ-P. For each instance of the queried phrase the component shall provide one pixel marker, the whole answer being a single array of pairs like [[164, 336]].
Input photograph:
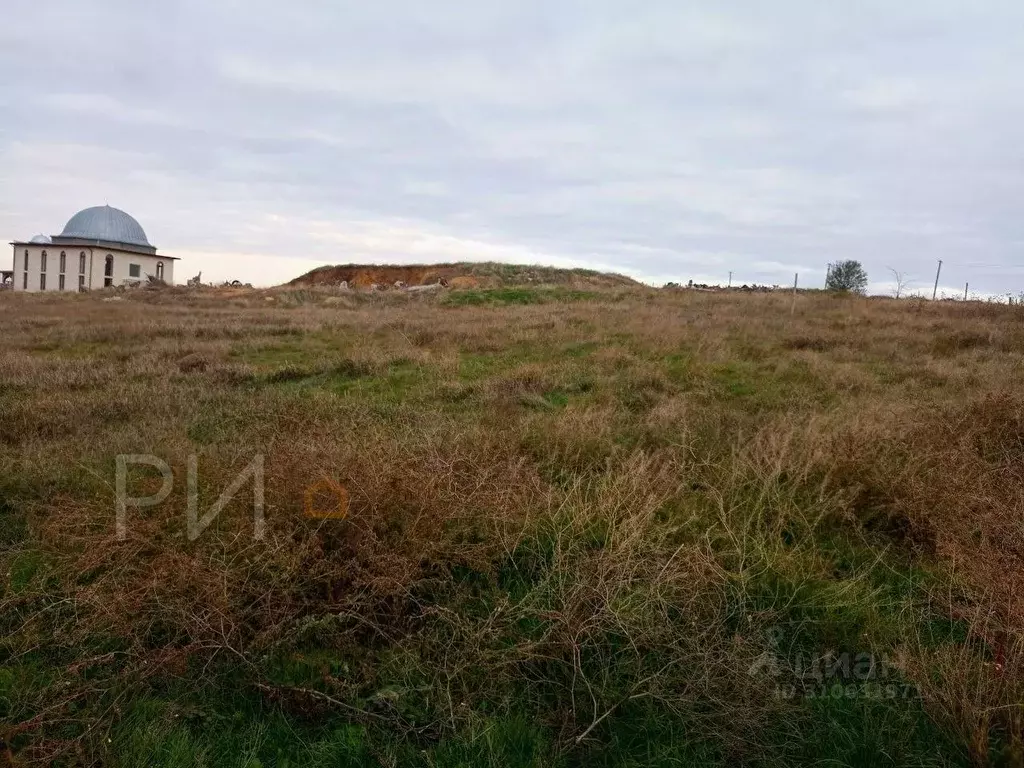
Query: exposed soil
[[363, 276]]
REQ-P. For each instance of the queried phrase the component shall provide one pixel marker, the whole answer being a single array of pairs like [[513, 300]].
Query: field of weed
[[615, 527]]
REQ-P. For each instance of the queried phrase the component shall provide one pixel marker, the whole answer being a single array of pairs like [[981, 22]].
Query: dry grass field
[[602, 527]]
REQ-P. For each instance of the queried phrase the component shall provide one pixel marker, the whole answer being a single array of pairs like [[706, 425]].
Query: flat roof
[[72, 241]]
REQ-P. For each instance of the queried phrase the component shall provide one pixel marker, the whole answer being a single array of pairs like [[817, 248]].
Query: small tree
[[847, 276], [902, 283]]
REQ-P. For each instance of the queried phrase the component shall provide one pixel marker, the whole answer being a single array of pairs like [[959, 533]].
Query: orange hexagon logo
[[326, 499]]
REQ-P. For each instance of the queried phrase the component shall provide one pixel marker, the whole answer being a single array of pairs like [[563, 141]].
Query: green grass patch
[[505, 296], [545, 401], [768, 386], [24, 569], [306, 350]]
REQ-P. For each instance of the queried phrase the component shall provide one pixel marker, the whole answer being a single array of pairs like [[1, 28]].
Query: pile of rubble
[[398, 285], [197, 282], [692, 286]]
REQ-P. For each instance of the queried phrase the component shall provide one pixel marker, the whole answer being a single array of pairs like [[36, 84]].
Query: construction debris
[[704, 287], [440, 285]]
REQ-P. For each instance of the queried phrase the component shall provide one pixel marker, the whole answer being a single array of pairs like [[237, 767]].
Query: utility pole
[[965, 290], [730, 278], [938, 272]]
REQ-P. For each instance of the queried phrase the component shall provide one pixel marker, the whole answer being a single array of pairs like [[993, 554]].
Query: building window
[[159, 270], [60, 283], [63, 262], [81, 282], [134, 270], [108, 271], [42, 281], [81, 263], [26, 260], [42, 263]]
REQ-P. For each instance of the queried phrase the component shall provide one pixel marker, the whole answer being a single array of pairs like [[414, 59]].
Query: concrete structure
[[99, 247]]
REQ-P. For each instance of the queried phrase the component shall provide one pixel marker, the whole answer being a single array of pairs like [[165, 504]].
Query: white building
[[100, 247]]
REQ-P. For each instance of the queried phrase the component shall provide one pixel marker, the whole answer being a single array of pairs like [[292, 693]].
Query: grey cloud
[[669, 140]]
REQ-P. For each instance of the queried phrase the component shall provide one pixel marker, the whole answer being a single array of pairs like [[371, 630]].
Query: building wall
[[93, 275], [122, 262]]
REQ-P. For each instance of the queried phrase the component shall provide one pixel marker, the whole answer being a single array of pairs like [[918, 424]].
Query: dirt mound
[[363, 275], [485, 274]]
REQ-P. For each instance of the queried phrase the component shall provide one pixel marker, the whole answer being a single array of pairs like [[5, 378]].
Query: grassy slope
[[586, 528]]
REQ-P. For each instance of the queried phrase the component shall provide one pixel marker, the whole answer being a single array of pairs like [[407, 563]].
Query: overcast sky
[[664, 139]]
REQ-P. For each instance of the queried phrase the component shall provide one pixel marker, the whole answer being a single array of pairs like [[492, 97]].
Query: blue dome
[[106, 223], [43, 239]]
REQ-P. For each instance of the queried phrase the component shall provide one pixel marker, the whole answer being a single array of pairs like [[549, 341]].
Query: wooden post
[[796, 279], [965, 291]]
